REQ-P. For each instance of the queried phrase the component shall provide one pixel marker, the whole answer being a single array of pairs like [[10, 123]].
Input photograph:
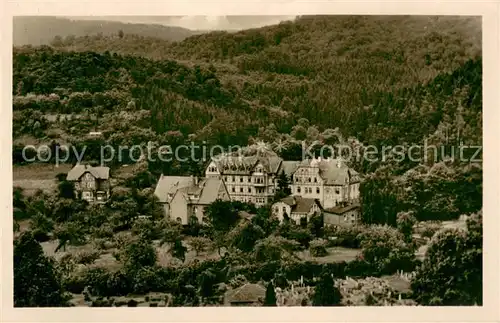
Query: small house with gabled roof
[[185, 196], [91, 183], [296, 208], [246, 295], [342, 215]]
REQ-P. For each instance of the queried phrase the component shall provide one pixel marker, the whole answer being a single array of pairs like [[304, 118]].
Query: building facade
[[251, 179], [91, 183], [254, 179], [296, 208], [329, 180], [342, 216], [184, 197]]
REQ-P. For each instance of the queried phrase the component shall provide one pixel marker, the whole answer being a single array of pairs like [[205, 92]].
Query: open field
[[335, 254], [107, 260], [33, 177]]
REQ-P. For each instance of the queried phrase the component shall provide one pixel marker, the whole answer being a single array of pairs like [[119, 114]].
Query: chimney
[[339, 161], [196, 180]]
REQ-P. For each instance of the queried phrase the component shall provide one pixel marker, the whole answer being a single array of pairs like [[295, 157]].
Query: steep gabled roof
[[210, 190], [169, 185], [248, 293], [300, 204], [332, 171], [207, 190], [76, 172], [246, 164], [289, 166]]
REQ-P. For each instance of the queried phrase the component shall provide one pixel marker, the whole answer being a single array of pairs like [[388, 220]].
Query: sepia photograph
[[247, 161]]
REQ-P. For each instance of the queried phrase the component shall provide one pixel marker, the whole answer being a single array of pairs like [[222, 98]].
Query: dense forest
[[365, 81]]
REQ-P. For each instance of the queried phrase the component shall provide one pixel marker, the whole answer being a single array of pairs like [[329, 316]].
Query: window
[[225, 178], [249, 179], [233, 179], [317, 190], [241, 179], [315, 180], [241, 189], [284, 209], [249, 190], [309, 179], [298, 189], [337, 191], [233, 190]]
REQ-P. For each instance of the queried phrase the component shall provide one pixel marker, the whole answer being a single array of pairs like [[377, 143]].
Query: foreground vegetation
[[125, 254]]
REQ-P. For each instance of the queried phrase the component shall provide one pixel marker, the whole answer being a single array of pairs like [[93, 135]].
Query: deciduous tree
[[37, 283]]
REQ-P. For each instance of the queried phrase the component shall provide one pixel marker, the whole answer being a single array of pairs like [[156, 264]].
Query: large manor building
[[251, 179], [330, 181], [254, 179]]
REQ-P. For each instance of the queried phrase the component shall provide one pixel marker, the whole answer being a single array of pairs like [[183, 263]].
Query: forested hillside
[[366, 80], [42, 30], [379, 85]]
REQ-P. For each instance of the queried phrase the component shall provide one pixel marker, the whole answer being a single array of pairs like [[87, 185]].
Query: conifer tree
[[270, 299], [326, 293]]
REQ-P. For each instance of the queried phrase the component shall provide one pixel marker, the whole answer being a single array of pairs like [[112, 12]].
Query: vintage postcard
[[322, 161]]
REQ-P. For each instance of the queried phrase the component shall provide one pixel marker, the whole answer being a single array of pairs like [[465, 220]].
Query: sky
[[198, 22]]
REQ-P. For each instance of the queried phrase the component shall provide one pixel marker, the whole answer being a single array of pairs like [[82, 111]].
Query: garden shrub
[[317, 248], [41, 235]]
